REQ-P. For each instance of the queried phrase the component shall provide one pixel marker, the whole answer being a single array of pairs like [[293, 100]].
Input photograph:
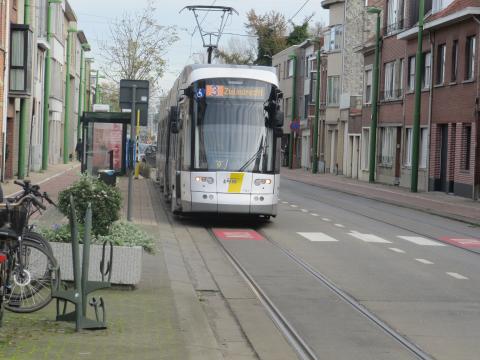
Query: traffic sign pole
[[132, 167]]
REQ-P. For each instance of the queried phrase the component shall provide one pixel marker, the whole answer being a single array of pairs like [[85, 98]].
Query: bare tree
[[137, 46], [237, 51]]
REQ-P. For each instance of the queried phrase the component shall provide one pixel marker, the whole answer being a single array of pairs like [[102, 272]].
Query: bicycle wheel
[[38, 239], [31, 289]]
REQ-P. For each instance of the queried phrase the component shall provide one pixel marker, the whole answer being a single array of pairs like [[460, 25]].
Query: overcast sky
[[94, 17]]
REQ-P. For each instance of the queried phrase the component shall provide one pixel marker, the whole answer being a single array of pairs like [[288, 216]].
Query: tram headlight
[[259, 182], [206, 179]]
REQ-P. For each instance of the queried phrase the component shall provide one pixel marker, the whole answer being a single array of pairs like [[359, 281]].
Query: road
[[359, 279]]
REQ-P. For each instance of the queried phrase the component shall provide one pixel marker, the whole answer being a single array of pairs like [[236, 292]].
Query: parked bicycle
[[28, 269]]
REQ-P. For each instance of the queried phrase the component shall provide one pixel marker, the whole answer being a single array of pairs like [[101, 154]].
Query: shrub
[[120, 234], [106, 202]]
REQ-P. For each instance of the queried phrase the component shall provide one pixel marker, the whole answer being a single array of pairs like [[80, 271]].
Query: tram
[[218, 139]]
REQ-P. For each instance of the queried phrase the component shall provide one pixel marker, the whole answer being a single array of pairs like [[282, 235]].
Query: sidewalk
[[449, 206]]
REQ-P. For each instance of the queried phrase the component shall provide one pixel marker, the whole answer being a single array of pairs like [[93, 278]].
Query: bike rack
[[82, 286]]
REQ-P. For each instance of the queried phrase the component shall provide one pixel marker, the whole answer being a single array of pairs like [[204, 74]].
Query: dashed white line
[[284, 202], [294, 206], [339, 225], [314, 214], [457, 276], [369, 238], [400, 251], [326, 219], [425, 261], [317, 237], [304, 210], [421, 241]]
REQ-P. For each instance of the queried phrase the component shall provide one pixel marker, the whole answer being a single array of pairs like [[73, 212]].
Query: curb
[[470, 221]]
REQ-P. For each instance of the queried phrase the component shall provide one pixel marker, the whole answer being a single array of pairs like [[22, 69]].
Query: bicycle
[[29, 270]]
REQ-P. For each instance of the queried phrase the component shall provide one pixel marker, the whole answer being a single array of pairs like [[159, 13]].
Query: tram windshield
[[230, 131]]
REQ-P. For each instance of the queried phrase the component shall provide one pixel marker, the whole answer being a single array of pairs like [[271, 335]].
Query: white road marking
[[294, 206], [317, 237], [313, 214], [369, 237], [421, 241], [339, 225], [400, 251], [304, 210], [457, 276], [326, 219], [425, 261], [284, 202]]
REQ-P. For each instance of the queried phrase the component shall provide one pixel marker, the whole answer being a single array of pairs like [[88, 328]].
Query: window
[[454, 61], [365, 148], [387, 149], [470, 58], [313, 88], [422, 161], [400, 79], [438, 5], [20, 59], [290, 68], [333, 94], [408, 147], [287, 107], [427, 70], [368, 86], [441, 50], [305, 103], [411, 73], [466, 146], [277, 69], [334, 37], [394, 16], [389, 89]]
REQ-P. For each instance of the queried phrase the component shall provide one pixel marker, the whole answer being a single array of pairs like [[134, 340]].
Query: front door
[[397, 155], [443, 157]]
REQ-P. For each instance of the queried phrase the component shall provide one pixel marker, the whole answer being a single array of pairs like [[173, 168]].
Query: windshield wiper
[[254, 157]]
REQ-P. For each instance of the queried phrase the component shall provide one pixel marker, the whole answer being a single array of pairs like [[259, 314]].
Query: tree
[[299, 34], [110, 94], [270, 30], [137, 46], [238, 52]]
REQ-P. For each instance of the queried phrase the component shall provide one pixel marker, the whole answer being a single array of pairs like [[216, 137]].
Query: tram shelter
[[104, 141]]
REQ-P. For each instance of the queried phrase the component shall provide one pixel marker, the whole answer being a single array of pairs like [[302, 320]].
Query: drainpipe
[[46, 87], [430, 105], [66, 126], [84, 47], [24, 112], [293, 57], [6, 83]]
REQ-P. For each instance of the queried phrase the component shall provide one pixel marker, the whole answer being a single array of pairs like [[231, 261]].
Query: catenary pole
[[66, 126], [418, 99], [317, 117], [294, 110], [373, 124]]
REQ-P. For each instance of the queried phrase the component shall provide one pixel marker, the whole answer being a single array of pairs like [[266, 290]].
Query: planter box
[[127, 262]]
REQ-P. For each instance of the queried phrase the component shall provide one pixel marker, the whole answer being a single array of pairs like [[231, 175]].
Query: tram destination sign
[[256, 92], [141, 98]]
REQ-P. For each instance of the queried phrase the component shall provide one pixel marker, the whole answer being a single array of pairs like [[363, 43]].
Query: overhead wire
[[301, 7]]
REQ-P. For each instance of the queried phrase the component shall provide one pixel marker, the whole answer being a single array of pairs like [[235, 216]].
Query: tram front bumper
[[262, 204]]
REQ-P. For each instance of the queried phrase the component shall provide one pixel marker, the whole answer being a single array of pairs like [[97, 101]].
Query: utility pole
[[373, 125], [85, 47], [317, 117], [293, 57], [418, 98], [46, 87], [24, 112], [88, 83], [66, 126]]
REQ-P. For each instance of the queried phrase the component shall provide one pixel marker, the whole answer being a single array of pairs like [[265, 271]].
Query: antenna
[[210, 39]]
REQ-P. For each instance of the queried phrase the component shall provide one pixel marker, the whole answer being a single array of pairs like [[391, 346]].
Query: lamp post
[[293, 58], [317, 117], [373, 124], [418, 98], [66, 126], [97, 87], [84, 47]]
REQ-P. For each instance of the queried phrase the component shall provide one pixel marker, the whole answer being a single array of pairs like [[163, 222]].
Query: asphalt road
[[385, 257]]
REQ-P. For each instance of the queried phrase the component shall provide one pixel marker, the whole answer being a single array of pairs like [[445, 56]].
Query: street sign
[[141, 98]]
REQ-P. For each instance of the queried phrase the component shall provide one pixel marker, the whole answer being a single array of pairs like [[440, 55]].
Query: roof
[[454, 7], [69, 13]]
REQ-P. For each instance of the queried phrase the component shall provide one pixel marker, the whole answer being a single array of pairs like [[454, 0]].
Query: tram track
[[300, 346]]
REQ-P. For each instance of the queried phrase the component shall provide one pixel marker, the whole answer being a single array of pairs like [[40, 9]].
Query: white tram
[[219, 140]]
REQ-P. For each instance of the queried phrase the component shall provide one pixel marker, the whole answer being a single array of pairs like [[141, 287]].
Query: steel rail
[[299, 345]]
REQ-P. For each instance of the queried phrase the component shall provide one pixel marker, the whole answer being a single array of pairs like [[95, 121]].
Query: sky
[[95, 17]]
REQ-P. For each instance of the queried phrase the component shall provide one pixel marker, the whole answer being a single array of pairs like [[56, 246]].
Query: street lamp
[[373, 125]]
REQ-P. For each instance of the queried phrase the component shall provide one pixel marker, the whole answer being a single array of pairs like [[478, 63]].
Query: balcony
[[391, 95], [394, 27]]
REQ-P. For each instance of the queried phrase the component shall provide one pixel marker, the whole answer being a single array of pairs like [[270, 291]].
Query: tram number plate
[[235, 182]]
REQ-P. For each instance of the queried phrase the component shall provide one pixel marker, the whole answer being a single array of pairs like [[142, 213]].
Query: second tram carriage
[[218, 140]]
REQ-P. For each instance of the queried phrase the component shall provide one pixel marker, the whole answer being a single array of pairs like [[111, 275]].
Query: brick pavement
[[441, 204], [142, 323]]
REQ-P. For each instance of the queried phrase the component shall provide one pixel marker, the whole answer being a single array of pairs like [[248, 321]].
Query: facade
[[25, 46]]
